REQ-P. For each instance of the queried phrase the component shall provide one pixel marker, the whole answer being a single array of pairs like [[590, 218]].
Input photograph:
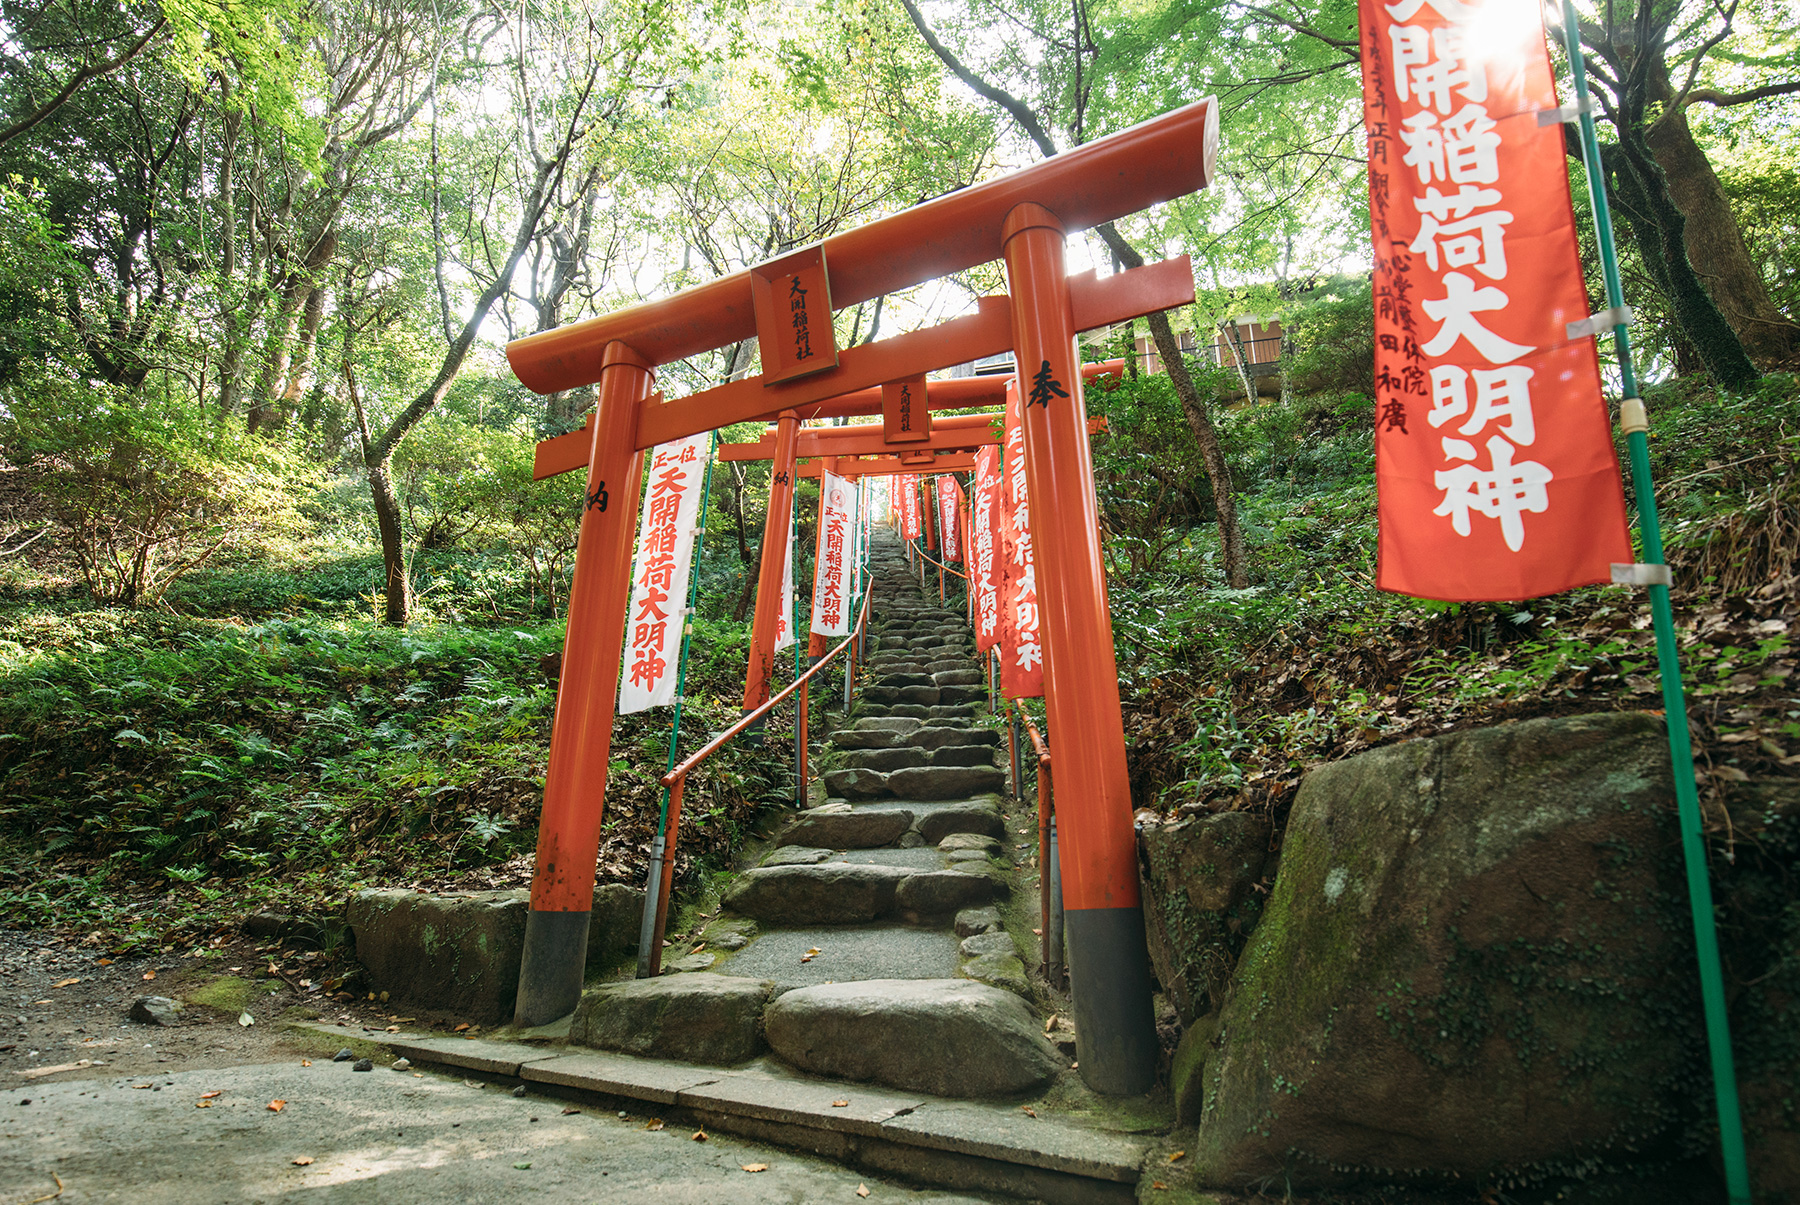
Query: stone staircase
[[869, 943]]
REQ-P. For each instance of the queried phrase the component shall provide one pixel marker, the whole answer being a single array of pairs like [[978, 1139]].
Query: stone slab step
[[915, 782], [942, 1036], [964, 1145], [875, 952], [838, 893]]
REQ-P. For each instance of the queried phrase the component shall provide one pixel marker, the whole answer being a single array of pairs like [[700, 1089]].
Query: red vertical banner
[[1021, 646], [984, 555], [1493, 448], [949, 504]]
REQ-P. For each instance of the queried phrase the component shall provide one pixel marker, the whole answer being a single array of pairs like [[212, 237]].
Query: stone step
[[839, 893], [946, 1036], [921, 736], [915, 782], [803, 957], [839, 824]]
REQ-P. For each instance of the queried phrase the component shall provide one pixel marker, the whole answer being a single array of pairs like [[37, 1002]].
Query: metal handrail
[[676, 779], [1049, 881]]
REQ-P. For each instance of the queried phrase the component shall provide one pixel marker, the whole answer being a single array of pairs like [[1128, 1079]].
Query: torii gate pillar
[[562, 887], [767, 616], [1109, 964]]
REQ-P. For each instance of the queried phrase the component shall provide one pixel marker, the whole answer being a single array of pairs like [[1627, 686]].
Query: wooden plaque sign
[[792, 300], [904, 417]]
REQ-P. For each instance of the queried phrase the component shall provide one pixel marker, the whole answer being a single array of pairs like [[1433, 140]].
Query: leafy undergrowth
[[161, 776], [1230, 695]]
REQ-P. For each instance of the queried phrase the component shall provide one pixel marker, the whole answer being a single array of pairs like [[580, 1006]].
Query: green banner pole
[[1635, 424], [653, 888]]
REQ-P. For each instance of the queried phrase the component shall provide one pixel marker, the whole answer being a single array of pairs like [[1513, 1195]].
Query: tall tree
[[1082, 53]]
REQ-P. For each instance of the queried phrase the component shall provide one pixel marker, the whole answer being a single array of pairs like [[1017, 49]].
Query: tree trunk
[[398, 586], [1715, 244], [1193, 406], [1659, 229]]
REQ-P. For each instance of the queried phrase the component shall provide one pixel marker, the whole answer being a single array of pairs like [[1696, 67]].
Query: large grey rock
[[885, 760], [699, 1017], [947, 1037], [925, 696], [795, 855], [156, 1010], [992, 942], [971, 921], [906, 679], [943, 782], [866, 738], [941, 892], [879, 723], [457, 954], [965, 816], [957, 677], [615, 924], [1473, 964], [835, 893], [967, 842], [857, 784], [935, 737], [963, 755], [1199, 903], [1004, 971], [837, 826]]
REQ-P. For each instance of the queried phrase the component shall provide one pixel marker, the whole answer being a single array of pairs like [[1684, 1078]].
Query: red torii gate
[[1024, 218]]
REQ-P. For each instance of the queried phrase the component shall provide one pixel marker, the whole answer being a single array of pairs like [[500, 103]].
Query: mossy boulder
[[1475, 962], [1199, 906], [459, 953]]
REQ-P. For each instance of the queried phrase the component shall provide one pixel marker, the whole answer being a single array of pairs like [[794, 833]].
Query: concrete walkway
[[389, 1136]]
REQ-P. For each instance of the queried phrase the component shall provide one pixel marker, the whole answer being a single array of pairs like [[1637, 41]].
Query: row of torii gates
[[787, 304]]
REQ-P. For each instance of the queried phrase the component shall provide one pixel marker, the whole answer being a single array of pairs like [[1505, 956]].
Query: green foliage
[[145, 491]]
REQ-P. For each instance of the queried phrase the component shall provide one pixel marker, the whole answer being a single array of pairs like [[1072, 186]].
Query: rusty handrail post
[[1047, 877], [676, 789], [801, 715], [676, 781]]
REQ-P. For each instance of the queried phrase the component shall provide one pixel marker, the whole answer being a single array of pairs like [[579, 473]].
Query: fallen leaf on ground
[[460, 1028], [698, 1135], [756, 1167], [104, 962], [862, 1190], [140, 1085], [523, 1167], [1159, 1186], [655, 1123], [1050, 1024], [698, 946], [1177, 1155], [212, 1095], [149, 975], [393, 1029], [203, 1104], [246, 1020], [1028, 1110], [303, 1161], [840, 1104], [815, 950], [567, 1111], [64, 982], [306, 1062], [276, 1106]]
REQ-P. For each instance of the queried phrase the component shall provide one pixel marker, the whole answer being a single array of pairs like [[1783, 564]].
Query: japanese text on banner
[[949, 504], [784, 625], [985, 563], [831, 576], [659, 575], [1021, 647], [1494, 458]]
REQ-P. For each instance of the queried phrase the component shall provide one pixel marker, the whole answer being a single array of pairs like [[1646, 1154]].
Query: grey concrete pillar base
[[753, 735], [552, 967], [1109, 984]]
